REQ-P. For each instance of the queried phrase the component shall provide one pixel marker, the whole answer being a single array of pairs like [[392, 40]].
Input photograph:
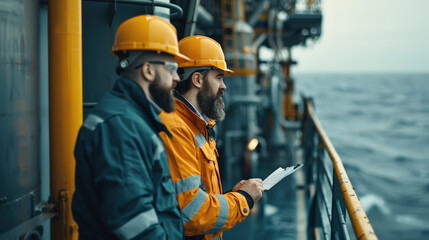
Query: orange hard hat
[[203, 52], [147, 33]]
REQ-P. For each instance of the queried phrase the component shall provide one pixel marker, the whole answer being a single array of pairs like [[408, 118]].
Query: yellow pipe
[[310, 3], [361, 225], [234, 31], [65, 106], [289, 108]]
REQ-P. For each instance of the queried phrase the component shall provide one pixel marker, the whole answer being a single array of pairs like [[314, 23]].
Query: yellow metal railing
[[360, 222]]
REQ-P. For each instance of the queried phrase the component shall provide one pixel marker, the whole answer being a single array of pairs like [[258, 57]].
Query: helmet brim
[[228, 70], [182, 57]]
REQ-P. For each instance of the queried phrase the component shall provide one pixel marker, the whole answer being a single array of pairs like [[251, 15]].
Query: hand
[[252, 186], [238, 185]]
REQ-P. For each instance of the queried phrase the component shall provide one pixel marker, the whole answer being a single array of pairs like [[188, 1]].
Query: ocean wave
[[409, 122], [425, 187], [379, 125], [411, 220], [348, 89], [402, 159], [372, 201]]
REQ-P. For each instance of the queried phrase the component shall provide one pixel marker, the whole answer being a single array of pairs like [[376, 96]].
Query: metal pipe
[[177, 11], [361, 225], [259, 40], [276, 89], [205, 18], [162, 11], [65, 104], [191, 19], [261, 8], [341, 218], [230, 159]]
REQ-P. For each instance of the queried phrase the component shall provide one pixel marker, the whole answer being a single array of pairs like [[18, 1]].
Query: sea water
[[379, 125]]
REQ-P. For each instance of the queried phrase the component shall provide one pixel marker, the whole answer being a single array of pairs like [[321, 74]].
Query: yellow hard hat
[[203, 52], [147, 33]]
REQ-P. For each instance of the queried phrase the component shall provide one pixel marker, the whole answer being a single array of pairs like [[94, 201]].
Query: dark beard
[[162, 96], [212, 106]]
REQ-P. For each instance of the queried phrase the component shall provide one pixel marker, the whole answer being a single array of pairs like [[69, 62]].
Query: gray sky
[[369, 36]]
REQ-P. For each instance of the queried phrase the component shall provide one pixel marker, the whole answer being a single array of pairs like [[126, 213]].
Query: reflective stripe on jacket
[[123, 184], [192, 156]]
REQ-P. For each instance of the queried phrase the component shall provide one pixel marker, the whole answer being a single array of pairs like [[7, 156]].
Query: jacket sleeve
[[122, 165], [202, 212]]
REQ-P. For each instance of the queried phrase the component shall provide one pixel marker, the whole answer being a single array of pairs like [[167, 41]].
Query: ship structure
[[55, 66]]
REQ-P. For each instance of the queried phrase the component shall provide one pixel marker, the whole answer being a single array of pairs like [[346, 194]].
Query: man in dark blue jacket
[[123, 184]]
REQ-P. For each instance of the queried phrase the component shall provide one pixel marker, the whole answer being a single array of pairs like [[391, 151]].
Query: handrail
[[360, 222]]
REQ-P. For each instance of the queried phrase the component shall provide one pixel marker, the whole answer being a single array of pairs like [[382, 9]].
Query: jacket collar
[[185, 108], [190, 106], [133, 92]]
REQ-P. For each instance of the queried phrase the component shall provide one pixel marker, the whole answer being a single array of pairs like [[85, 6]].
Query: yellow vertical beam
[[244, 49], [65, 107], [289, 109], [310, 3], [234, 32]]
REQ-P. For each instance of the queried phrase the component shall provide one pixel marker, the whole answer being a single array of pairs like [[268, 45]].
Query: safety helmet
[[203, 52], [147, 33]]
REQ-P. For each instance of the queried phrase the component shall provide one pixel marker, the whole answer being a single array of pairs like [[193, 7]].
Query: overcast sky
[[369, 36]]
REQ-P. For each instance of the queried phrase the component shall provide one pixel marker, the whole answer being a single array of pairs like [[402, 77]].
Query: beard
[[212, 106], [162, 95]]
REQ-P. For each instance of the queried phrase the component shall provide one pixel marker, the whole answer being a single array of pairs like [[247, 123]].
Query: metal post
[[65, 104]]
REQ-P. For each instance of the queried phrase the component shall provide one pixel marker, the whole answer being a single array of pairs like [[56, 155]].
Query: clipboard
[[280, 173]]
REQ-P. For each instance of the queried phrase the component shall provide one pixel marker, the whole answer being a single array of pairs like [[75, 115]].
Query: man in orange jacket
[[192, 155]]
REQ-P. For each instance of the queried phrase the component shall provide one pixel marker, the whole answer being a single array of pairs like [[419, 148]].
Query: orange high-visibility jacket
[[192, 157]]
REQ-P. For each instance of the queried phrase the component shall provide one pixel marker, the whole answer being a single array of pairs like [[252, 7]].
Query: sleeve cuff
[[249, 199]]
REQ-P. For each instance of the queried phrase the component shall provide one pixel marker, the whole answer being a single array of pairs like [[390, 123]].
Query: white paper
[[278, 175]]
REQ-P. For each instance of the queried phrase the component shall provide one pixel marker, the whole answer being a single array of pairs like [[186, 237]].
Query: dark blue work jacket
[[123, 184]]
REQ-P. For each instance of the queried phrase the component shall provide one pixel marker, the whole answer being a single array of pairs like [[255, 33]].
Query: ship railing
[[328, 189]]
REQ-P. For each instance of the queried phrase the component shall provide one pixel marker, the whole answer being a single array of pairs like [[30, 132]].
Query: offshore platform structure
[[55, 66]]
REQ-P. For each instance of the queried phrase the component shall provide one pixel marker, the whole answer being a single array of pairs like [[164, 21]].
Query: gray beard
[[211, 106]]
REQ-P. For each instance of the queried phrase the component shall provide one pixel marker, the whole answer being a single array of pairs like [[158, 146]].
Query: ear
[[197, 80], [148, 72]]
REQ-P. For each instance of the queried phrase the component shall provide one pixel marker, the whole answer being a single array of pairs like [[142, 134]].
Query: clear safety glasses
[[171, 66]]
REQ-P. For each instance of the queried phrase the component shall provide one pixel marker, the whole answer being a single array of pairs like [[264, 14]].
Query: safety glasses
[[171, 66]]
